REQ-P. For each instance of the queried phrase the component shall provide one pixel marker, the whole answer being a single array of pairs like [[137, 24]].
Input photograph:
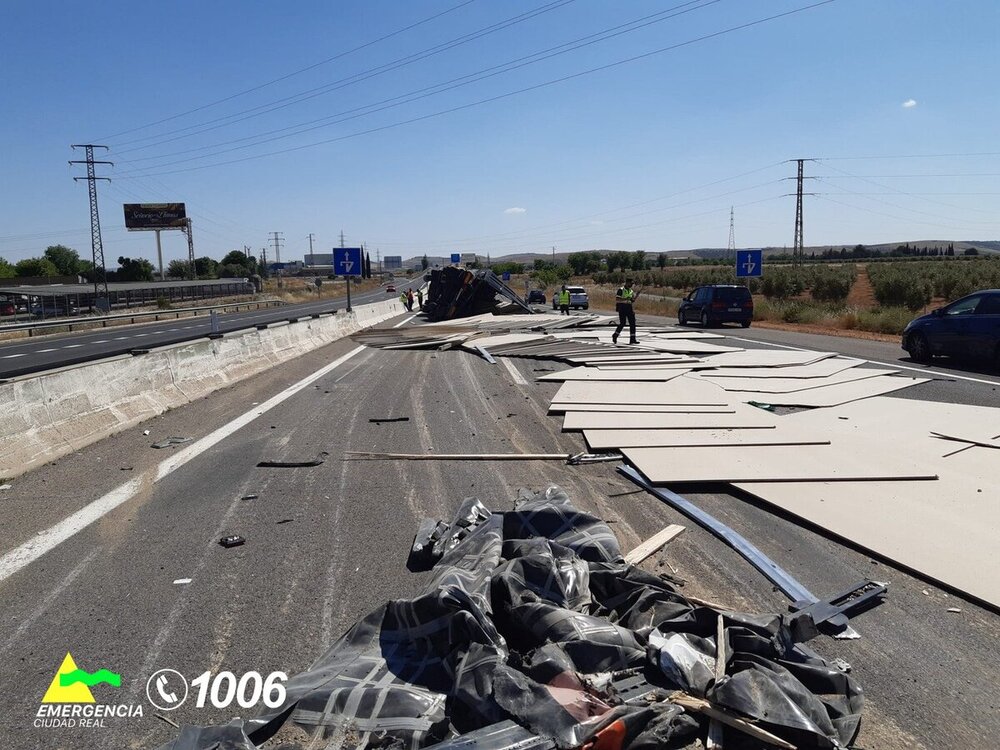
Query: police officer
[[624, 301], [564, 301]]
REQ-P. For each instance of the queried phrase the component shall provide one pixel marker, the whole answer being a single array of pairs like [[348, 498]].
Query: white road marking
[[518, 377], [400, 325], [13, 356], [72, 346], [100, 341], [141, 334], [47, 602], [42, 542], [48, 539], [42, 351], [121, 338], [925, 370]]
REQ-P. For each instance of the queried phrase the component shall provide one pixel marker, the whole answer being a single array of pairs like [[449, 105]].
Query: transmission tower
[[277, 238], [731, 253], [798, 246], [97, 247], [797, 243]]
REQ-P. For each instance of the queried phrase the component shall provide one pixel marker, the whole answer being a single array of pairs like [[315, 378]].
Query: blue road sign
[[749, 263], [347, 261], [505, 276], [455, 257]]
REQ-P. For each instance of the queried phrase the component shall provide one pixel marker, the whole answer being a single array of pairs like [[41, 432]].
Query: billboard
[[154, 215], [319, 259], [393, 262]]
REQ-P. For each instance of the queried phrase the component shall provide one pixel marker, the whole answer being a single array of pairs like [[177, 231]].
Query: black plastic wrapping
[[531, 616]]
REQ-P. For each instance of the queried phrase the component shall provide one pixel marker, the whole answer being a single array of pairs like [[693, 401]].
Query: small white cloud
[[514, 210], [909, 103]]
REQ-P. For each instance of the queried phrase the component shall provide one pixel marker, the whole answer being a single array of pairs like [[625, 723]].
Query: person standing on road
[[420, 298], [564, 301], [624, 304], [409, 300], [402, 299]]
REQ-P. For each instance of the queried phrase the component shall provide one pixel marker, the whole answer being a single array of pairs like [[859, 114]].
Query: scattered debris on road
[[533, 629], [320, 458], [249, 497], [182, 581], [382, 420], [171, 441], [233, 540]]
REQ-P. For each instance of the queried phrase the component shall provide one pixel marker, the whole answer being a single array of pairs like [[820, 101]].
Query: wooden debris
[[653, 544]]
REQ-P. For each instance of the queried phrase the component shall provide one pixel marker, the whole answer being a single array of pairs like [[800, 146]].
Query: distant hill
[[985, 247]]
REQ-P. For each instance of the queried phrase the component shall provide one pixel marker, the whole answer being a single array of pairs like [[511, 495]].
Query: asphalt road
[[327, 544], [39, 353]]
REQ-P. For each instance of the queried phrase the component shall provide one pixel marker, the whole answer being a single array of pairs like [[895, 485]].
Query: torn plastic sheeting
[[523, 618]]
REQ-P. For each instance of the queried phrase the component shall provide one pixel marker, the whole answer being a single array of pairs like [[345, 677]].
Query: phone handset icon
[[161, 688]]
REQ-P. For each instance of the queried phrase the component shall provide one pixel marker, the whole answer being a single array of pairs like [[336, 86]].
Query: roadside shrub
[[832, 284]]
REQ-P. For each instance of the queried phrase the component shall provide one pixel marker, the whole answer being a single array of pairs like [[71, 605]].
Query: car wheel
[[682, 319], [919, 350], [704, 320], [745, 323]]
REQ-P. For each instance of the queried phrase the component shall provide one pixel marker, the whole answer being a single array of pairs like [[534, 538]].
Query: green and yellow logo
[[72, 684]]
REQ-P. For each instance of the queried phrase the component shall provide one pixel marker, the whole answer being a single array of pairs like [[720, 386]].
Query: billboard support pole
[[348, 294], [159, 255]]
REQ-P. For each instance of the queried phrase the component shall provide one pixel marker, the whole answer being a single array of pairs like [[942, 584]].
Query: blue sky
[[648, 154]]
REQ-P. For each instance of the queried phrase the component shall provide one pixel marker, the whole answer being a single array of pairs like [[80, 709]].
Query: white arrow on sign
[[348, 265], [749, 265]]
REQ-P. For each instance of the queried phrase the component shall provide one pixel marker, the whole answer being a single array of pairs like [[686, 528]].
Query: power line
[[293, 73], [516, 92], [419, 94], [364, 75]]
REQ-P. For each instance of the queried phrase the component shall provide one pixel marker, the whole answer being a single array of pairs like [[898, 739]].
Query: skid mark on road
[[49, 599]]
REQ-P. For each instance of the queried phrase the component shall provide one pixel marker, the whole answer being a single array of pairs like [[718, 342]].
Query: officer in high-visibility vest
[[624, 302], [564, 301]]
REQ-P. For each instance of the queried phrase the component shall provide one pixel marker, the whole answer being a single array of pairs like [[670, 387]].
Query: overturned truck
[[459, 293]]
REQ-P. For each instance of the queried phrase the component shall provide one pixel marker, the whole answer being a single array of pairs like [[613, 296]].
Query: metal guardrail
[[102, 321]]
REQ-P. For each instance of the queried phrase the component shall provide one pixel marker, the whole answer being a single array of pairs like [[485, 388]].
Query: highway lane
[[25, 356], [327, 544]]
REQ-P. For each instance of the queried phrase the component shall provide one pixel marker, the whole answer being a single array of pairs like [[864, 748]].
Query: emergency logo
[[72, 684], [69, 701]]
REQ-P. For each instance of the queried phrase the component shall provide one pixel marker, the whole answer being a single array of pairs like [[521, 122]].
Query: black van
[[719, 303]]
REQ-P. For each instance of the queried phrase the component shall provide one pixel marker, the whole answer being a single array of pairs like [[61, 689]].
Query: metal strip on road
[[748, 551]]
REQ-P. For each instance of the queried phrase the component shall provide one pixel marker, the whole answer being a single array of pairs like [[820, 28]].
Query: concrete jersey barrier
[[54, 414]]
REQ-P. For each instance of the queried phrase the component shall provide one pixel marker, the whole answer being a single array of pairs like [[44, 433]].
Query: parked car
[[53, 308], [968, 327], [577, 298], [536, 297], [7, 307], [716, 304]]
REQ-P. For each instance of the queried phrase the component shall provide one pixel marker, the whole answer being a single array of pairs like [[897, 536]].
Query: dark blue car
[[968, 327]]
